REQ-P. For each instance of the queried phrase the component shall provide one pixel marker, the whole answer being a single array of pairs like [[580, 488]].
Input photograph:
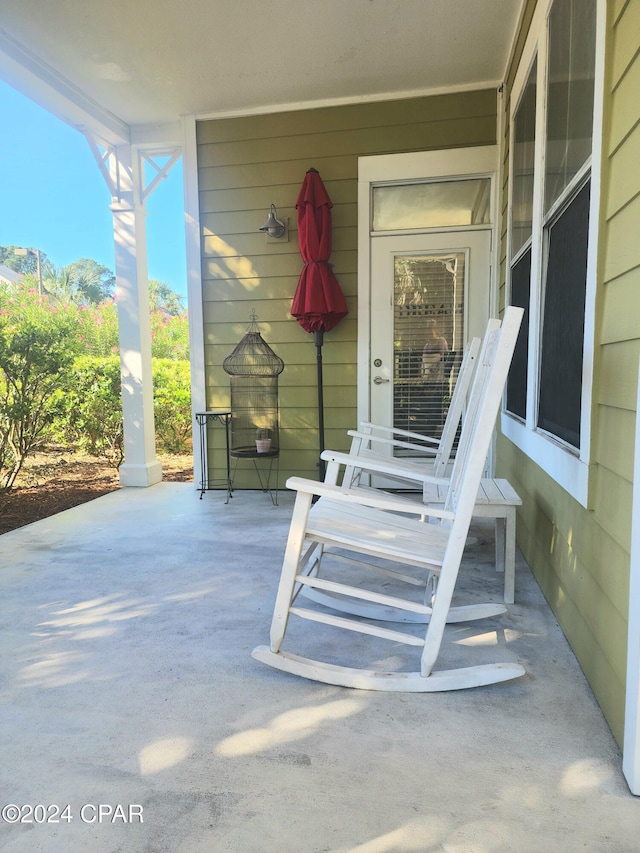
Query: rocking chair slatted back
[[468, 443]]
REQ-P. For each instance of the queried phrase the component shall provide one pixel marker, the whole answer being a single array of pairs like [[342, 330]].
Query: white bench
[[496, 499]]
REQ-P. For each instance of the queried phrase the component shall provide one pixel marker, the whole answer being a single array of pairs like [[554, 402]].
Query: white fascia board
[[24, 71], [158, 137], [347, 100]]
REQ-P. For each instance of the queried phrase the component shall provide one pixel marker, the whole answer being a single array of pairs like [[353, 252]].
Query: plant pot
[[263, 445]]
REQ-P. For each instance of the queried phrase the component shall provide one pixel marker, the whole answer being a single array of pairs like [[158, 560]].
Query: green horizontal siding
[[581, 557], [244, 165], [369, 116], [583, 572]]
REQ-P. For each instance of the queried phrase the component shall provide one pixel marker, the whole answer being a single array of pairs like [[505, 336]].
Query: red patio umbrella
[[318, 304]]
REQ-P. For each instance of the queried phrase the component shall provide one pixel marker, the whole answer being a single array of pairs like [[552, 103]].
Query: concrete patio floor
[[126, 679]]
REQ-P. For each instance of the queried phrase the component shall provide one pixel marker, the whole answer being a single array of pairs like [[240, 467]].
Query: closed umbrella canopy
[[318, 304]]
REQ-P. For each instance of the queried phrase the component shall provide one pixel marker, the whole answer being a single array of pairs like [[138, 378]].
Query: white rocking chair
[[385, 526]]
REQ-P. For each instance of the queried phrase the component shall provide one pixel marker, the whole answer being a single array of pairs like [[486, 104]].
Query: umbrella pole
[[318, 339]]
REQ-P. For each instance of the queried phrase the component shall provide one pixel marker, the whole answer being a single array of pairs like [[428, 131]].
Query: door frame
[[481, 161]]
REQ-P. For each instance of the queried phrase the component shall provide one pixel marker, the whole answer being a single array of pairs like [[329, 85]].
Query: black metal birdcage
[[254, 368]]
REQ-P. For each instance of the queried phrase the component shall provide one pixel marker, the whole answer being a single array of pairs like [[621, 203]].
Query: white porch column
[[140, 466]]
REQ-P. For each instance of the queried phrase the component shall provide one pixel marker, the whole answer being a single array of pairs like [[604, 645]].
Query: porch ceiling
[[147, 63]]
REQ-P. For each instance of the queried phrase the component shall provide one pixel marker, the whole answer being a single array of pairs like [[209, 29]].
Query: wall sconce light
[[274, 227]]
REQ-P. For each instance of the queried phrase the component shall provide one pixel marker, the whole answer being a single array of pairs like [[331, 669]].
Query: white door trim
[[447, 163]]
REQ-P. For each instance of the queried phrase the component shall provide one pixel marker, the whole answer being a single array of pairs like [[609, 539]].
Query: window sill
[[568, 470]]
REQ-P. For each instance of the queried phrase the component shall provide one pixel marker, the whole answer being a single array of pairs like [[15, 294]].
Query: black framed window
[[521, 235], [516, 401], [559, 407]]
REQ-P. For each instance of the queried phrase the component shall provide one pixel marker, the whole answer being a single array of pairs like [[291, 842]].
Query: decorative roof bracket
[[106, 157]]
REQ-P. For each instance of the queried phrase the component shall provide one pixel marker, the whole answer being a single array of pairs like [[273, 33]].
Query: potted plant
[[263, 441]]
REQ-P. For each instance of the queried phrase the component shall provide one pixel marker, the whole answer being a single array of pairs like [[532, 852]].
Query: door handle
[[378, 380]]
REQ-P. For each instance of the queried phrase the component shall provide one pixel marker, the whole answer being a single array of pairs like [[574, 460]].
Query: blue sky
[[54, 198]]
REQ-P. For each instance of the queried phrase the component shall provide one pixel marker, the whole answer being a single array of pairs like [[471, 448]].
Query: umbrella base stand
[[318, 339]]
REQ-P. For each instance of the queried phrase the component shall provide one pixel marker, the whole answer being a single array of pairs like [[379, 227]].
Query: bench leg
[[506, 552], [501, 542], [510, 556]]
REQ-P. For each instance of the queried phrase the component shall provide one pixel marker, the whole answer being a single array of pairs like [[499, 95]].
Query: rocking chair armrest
[[394, 442], [404, 470], [366, 497], [416, 436]]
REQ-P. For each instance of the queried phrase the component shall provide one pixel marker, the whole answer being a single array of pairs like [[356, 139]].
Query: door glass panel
[[439, 204], [428, 338]]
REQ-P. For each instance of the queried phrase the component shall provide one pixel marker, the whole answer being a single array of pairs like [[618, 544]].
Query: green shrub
[[60, 378], [92, 417], [169, 336], [37, 347], [172, 405], [98, 328], [93, 409]]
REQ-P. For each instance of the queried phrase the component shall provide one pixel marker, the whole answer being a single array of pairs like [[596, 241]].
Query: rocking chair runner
[[369, 522]]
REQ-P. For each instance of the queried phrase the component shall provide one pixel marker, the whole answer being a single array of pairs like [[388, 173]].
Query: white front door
[[430, 293]]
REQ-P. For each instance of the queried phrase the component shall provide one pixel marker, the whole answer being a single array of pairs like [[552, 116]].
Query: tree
[[87, 282], [57, 284], [26, 264], [163, 298]]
